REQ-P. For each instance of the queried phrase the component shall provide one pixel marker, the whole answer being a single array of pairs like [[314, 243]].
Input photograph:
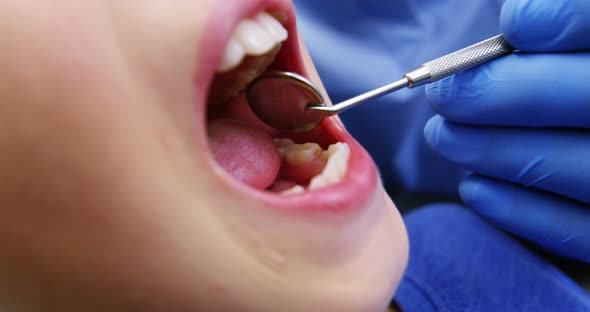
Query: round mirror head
[[280, 99]]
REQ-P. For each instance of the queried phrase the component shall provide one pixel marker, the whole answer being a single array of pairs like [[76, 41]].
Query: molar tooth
[[296, 189], [274, 27], [283, 146], [300, 154], [232, 57], [255, 38], [334, 148], [335, 168]]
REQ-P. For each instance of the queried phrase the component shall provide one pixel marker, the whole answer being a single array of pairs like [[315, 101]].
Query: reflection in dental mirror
[[281, 99]]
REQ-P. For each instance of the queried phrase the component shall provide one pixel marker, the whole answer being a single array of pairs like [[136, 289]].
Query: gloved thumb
[[546, 25]]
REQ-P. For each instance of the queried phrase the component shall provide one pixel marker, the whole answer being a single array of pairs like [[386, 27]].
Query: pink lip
[[360, 182]]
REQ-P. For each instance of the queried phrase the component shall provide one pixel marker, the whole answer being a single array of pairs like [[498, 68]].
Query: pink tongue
[[248, 154]]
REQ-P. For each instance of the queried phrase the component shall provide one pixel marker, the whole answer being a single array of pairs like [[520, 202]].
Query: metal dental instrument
[[303, 107]]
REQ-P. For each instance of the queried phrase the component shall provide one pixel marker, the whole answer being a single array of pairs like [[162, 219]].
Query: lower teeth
[[336, 157], [294, 190], [335, 168]]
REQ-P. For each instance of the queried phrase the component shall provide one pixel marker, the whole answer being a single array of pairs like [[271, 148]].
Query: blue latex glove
[[522, 123]]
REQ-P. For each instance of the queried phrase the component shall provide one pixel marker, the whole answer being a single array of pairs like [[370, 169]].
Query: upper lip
[[360, 182]]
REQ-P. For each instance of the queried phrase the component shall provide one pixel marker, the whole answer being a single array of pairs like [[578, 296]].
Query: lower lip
[[359, 184]]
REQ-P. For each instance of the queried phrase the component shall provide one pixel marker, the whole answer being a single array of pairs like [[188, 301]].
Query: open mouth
[[323, 168]]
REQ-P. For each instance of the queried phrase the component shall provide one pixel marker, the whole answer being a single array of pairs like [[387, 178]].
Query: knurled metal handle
[[460, 60]]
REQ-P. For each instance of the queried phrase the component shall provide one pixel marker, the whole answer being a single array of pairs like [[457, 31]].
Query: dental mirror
[[290, 102], [282, 100]]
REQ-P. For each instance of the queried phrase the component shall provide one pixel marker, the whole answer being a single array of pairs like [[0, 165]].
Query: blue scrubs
[[457, 261]]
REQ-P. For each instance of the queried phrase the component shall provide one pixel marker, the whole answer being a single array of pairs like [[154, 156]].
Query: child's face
[[125, 187]]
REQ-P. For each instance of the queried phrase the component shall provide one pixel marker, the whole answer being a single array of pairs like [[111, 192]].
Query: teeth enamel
[[300, 154], [283, 146], [252, 37], [296, 189], [255, 39], [335, 168], [233, 56], [276, 30]]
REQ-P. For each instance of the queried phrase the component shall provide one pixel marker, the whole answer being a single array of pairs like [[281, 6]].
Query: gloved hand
[[522, 125]]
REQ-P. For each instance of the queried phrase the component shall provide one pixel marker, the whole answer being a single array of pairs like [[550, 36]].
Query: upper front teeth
[[254, 37], [233, 55], [274, 27]]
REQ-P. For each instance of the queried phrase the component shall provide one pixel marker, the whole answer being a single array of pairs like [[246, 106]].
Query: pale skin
[[110, 201]]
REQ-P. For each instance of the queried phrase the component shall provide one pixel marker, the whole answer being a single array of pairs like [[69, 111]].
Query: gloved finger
[[546, 26], [551, 159], [556, 223], [518, 90]]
